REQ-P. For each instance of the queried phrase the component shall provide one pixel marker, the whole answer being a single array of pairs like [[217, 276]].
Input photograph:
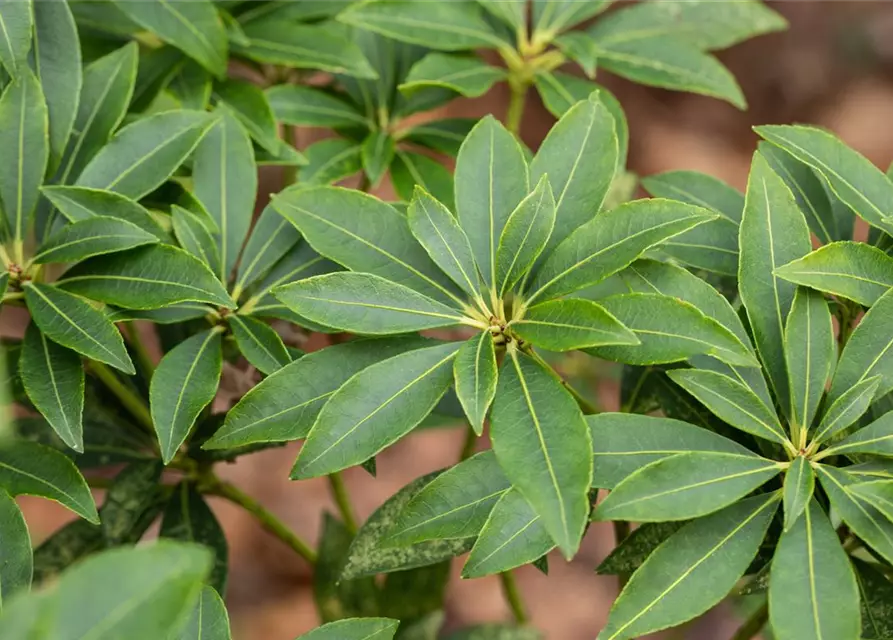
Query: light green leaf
[[155, 71], [194, 26], [444, 135], [374, 409], [773, 232], [564, 325], [524, 236], [191, 86], [446, 26], [208, 620], [799, 482], [580, 156], [848, 408], [250, 105], [57, 62], [17, 565], [543, 445], [851, 176], [285, 405], [53, 377], [71, 321], [16, 20], [24, 137], [456, 504], [355, 629], [670, 330], [812, 589], [688, 485], [414, 169], [145, 153], [92, 237], [580, 48], [225, 178], [271, 238], [27, 468], [194, 237], [553, 16], [308, 106], [561, 91], [853, 270], [330, 161], [146, 278], [377, 152], [624, 443], [475, 373], [692, 571], [875, 439], [491, 180], [466, 75], [184, 383], [259, 343], [512, 536], [80, 203], [610, 242]]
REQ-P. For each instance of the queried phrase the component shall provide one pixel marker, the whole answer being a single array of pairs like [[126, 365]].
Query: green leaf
[[624, 443], [877, 493], [875, 592], [369, 555], [580, 156], [812, 589], [335, 598], [670, 330], [305, 47], [192, 26], [53, 377], [155, 71], [543, 445], [466, 75], [635, 548], [355, 629], [799, 482], [285, 405], [16, 21], [448, 26], [132, 492], [71, 321], [444, 135], [194, 237], [92, 237], [271, 238], [80, 203], [875, 439], [57, 62], [70, 543], [188, 518], [259, 343], [524, 236], [146, 278], [414, 169], [610, 242], [512, 536], [564, 325], [208, 620], [848, 408], [553, 16], [145, 153], [330, 161], [688, 485], [852, 270], [692, 571], [363, 234], [191, 86], [250, 105], [580, 48], [24, 136], [561, 91], [225, 179], [493, 631], [732, 402], [184, 383], [491, 181], [810, 352], [851, 176], [377, 152], [17, 565], [456, 504], [699, 189], [773, 232], [476, 374], [374, 409], [32, 469]]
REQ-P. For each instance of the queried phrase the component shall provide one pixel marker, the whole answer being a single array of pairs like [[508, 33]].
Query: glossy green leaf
[[285, 405], [131, 494], [369, 554], [810, 352], [53, 377], [35, 470], [475, 374], [773, 232], [330, 161], [146, 278], [374, 409], [251, 106], [853, 270], [442, 135], [355, 629], [414, 169], [259, 343], [543, 445], [17, 565], [92, 237], [812, 589], [271, 238], [852, 177], [692, 571], [72, 322], [80, 203], [524, 236], [24, 136], [194, 237], [225, 178], [377, 152], [184, 383], [688, 485], [610, 242], [145, 153], [208, 619], [799, 482], [567, 324], [466, 75], [848, 408], [193, 26], [16, 21], [513, 535], [456, 504]]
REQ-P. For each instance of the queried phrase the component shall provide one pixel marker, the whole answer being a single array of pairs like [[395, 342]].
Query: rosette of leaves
[[780, 474]]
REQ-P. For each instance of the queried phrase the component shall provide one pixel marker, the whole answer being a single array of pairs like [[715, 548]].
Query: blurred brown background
[[833, 67]]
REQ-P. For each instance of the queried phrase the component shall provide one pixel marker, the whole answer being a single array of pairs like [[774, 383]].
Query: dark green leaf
[[132, 492], [377, 152], [442, 135], [67, 544], [799, 482], [330, 161], [336, 598], [524, 236], [475, 374], [580, 48], [848, 408], [92, 237], [875, 592], [155, 71], [194, 236], [307, 106], [80, 203], [191, 86], [208, 620], [414, 169], [17, 565], [16, 20], [355, 629], [466, 75], [271, 238], [810, 352], [249, 104], [875, 439], [635, 548], [259, 343], [567, 324]]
